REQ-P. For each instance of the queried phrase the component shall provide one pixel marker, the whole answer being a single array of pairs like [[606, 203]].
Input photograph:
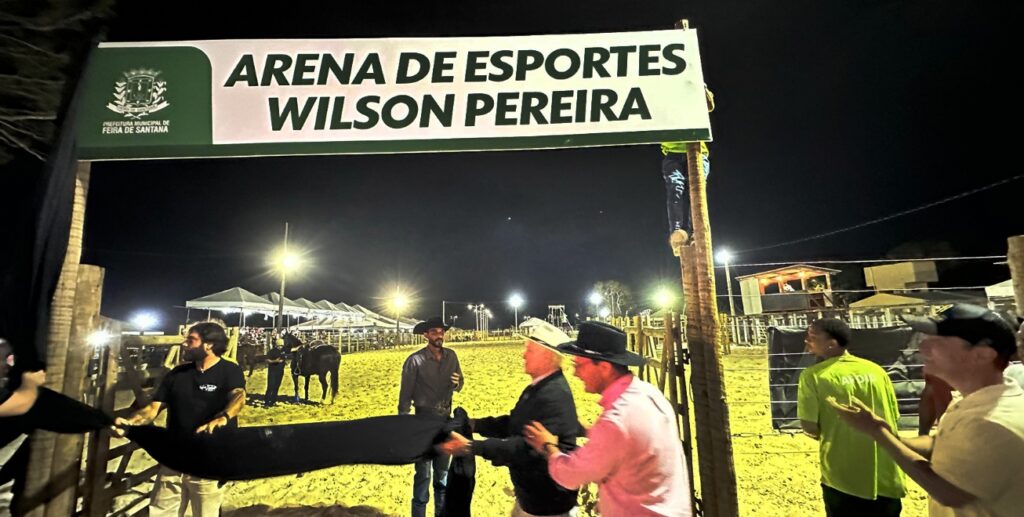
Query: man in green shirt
[[857, 476]]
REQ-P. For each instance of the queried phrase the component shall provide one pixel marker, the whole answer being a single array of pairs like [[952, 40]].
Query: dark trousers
[[274, 375], [673, 171], [841, 504]]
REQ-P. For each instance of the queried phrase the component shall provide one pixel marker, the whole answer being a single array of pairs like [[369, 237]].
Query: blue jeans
[[673, 171], [421, 485]]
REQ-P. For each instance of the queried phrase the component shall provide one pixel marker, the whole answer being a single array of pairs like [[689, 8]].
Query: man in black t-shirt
[[200, 396]]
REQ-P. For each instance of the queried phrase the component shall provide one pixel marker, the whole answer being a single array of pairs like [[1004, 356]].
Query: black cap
[[973, 324]]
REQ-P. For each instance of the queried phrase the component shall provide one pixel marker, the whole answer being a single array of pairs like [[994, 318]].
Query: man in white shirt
[[974, 464]]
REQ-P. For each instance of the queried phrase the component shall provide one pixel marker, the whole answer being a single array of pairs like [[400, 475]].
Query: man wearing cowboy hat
[[429, 377], [633, 451], [547, 399]]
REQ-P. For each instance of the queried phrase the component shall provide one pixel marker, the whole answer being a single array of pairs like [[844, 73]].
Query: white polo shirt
[[979, 448]]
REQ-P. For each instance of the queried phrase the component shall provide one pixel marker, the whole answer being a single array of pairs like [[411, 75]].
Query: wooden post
[[133, 377], [234, 334], [638, 337], [67, 455], [667, 347], [676, 372], [698, 382], [61, 315], [708, 338], [96, 501], [1015, 259]]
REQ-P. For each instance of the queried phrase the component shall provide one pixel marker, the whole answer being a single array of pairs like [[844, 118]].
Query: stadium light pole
[[481, 312], [284, 262], [516, 301], [724, 257], [398, 303]]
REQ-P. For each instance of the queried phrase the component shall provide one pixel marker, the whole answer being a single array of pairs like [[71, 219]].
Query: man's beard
[[194, 355], [436, 343]]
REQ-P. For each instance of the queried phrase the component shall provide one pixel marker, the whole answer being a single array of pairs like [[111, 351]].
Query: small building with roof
[[798, 287]]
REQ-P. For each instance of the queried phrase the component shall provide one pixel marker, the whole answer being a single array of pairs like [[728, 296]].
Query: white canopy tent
[[384, 321], [312, 309], [1003, 289], [232, 300], [290, 307], [323, 314]]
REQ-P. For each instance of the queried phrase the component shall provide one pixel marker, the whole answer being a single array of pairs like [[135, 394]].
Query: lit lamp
[[724, 257], [596, 300], [664, 298], [398, 304], [285, 263], [479, 311], [144, 321], [516, 301], [98, 339]]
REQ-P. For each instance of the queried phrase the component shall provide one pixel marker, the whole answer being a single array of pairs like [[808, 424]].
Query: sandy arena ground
[[777, 474]]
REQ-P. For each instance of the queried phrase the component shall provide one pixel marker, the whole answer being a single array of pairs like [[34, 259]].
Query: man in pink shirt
[[633, 451]]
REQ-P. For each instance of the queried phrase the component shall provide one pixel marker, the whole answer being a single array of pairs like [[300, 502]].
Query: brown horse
[[247, 354], [316, 358]]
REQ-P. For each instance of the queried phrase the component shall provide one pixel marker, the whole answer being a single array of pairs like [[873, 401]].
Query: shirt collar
[[425, 351], [536, 380], [614, 391], [988, 394]]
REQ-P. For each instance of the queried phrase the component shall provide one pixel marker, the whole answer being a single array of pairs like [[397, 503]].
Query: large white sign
[[476, 93]]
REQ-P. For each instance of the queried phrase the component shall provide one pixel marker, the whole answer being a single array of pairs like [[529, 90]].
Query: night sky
[[829, 114]]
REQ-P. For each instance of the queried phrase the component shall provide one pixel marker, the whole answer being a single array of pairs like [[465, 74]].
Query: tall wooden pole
[[706, 343], [61, 314], [1015, 258], [699, 384]]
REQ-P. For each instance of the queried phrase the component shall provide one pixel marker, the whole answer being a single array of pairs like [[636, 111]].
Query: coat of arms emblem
[[139, 93]]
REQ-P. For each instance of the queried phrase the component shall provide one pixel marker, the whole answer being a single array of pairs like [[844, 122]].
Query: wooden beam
[[67, 455], [96, 500]]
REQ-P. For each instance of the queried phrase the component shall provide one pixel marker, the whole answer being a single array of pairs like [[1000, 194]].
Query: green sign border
[[157, 152]]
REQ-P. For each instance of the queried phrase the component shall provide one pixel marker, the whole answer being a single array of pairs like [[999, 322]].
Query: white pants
[[175, 493], [6, 495], [518, 512], [6, 490]]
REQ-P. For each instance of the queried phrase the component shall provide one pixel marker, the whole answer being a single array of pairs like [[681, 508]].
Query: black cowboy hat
[[602, 342], [433, 323]]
